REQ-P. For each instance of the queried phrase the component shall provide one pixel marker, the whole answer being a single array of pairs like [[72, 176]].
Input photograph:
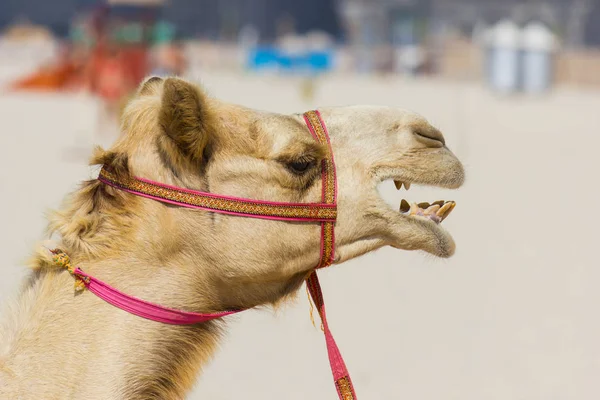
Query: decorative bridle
[[324, 212]]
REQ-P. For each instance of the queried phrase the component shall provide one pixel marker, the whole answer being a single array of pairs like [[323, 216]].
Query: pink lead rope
[[324, 212]]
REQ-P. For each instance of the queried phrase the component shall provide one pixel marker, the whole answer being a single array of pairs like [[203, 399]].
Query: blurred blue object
[[320, 60], [263, 58], [271, 58]]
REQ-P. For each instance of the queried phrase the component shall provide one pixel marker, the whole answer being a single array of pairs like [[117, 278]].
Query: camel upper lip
[[451, 180]]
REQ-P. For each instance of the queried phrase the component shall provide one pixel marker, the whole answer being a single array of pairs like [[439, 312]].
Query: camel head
[[175, 134]]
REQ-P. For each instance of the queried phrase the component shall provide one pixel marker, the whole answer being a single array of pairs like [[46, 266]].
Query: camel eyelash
[[308, 158], [305, 159]]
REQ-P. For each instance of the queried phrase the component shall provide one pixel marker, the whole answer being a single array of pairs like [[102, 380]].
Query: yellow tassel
[[312, 308], [312, 318], [61, 259], [79, 285]]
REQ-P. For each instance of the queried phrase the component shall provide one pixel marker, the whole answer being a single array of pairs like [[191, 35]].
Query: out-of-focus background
[[515, 87]]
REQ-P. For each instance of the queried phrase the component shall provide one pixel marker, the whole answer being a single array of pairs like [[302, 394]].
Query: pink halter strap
[[324, 212]]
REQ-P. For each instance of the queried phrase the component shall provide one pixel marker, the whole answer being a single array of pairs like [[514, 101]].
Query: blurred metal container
[[538, 44], [504, 44]]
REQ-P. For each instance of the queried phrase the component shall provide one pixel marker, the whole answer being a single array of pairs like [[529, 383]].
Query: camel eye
[[300, 167]]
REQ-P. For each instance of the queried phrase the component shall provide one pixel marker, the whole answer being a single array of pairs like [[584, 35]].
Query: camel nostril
[[431, 137]]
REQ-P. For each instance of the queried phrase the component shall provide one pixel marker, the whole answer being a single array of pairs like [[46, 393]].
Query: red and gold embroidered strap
[[343, 383], [317, 128], [308, 212]]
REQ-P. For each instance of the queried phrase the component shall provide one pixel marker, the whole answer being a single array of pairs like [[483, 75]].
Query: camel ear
[[149, 85], [184, 117]]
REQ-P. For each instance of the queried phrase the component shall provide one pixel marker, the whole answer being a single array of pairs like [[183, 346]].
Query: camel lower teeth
[[437, 211], [404, 206], [446, 209], [432, 210]]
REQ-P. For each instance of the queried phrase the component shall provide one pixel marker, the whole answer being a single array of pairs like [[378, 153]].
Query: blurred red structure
[[108, 68]]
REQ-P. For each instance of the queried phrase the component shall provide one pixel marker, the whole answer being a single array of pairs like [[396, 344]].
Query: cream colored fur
[[55, 344]]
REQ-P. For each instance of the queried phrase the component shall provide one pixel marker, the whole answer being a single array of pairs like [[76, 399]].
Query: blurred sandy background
[[513, 315]]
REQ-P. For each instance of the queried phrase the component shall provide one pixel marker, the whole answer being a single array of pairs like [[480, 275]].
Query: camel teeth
[[400, 183], [445, 210], [437, 211], [404, 206], [415, 209], [432, 210]]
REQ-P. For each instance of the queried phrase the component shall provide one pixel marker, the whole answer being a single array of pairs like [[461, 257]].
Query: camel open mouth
[[437, 211]]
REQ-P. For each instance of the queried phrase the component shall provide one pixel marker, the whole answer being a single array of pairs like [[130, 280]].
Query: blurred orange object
[[48, 78], [109, 72]]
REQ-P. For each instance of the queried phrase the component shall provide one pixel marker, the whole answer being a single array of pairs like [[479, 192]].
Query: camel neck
[[78, 345]]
